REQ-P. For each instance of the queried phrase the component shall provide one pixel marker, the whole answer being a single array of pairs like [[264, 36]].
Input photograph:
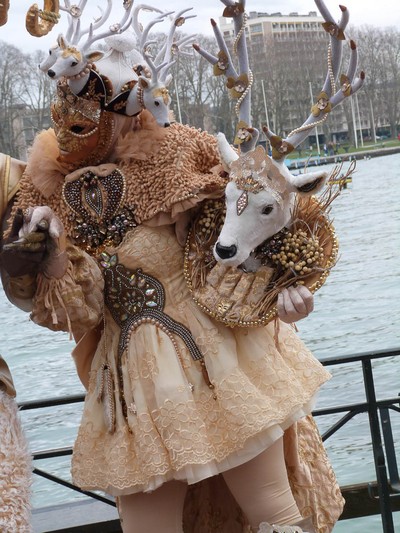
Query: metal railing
[[386, 490]]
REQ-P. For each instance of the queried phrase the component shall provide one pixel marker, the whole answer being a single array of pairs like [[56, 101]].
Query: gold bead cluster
[[209, 221], [300, 253]]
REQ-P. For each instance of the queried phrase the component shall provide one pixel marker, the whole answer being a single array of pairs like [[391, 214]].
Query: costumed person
[[15, 461], [194, 423]]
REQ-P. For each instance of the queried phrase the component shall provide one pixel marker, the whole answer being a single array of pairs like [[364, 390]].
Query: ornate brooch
[[98, 216]]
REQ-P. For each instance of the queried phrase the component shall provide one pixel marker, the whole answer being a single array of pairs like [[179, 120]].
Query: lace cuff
[[74, 302]]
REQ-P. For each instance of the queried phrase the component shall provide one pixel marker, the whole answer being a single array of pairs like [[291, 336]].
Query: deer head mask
[[261, 192]]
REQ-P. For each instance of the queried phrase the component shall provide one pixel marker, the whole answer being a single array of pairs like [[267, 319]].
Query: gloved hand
[[34, 244], [295, 303]]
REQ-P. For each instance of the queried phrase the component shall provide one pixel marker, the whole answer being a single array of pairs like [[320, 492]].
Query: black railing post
[[390, 450], [377, 447]]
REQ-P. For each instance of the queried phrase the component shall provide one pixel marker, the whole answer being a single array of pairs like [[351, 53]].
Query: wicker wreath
[[303, 254]]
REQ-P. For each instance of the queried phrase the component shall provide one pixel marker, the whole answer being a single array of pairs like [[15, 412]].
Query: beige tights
[[154, 512], [260, 487]]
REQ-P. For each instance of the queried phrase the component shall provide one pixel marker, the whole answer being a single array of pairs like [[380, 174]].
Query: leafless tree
[[200, 99], [11, 104], [25, 97], [390, 77]]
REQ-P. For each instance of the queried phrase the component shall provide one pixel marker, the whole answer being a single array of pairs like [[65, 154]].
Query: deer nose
[[225, 252], [51, 73], [167, 124]]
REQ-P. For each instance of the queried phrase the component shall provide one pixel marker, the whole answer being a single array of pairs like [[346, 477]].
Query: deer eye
[[74, 63], [267, 209], [156, 103], [50, 52]]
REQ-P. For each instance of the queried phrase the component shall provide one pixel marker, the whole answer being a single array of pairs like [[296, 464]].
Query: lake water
[[357, 310]]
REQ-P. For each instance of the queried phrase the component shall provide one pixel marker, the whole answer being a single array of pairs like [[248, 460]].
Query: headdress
[[254, 172], [108, 77]]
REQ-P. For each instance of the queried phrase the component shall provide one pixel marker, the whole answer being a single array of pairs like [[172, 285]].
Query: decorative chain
[[241, 33], [333, 90], [245, 93], [330, 70], [309, 126]]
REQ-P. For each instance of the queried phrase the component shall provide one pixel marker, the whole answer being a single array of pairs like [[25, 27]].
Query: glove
[[33, 245]]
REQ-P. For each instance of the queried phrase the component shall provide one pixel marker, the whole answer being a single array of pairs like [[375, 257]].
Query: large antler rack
[[238, 82], [114, 29], [329, 97], [163, 60], [74, 32]]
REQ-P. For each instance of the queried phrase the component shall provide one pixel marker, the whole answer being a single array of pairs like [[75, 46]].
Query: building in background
[[20, 124], [288, 57]]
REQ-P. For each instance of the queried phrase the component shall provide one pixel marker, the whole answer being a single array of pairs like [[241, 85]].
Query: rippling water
[[357, 310]]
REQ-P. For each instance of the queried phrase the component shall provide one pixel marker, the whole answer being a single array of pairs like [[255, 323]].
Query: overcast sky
[[383, 13]]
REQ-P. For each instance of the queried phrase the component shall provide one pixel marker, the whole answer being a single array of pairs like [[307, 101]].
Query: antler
[[118, 27], [159, 65], [143, 33], [76, 12], [137, 26], [329, 97], [39, 22], [170, 47], [239, 83], [155, 69]]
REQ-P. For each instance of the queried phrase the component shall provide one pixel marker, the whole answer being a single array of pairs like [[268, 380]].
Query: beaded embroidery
[[105, 394], [134, 298], [96, 210]]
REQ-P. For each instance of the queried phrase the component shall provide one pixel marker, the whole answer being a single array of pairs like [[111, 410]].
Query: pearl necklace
[[84, 72], [139, 95]]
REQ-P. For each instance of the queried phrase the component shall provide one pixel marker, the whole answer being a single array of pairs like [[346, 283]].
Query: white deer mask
[[259, 202]]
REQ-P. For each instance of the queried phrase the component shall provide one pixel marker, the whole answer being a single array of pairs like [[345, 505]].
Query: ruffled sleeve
[[183, 171], [73, 303]]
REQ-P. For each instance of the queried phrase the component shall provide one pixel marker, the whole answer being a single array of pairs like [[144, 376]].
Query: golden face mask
[[74, 132], [83, 130]]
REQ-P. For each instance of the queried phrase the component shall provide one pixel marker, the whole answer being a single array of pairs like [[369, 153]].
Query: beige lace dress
[[172, 393], [152, 412]]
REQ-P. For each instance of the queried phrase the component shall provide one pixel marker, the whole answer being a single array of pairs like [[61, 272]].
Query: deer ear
[[227, 153], [168, 80], [143, 82], [308, 184], [95, 56], [61, 42]]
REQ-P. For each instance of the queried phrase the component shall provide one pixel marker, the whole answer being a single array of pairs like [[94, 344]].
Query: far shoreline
[[341, 158]]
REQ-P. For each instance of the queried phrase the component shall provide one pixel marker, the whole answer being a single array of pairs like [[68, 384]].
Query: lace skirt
[[153, 413]]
